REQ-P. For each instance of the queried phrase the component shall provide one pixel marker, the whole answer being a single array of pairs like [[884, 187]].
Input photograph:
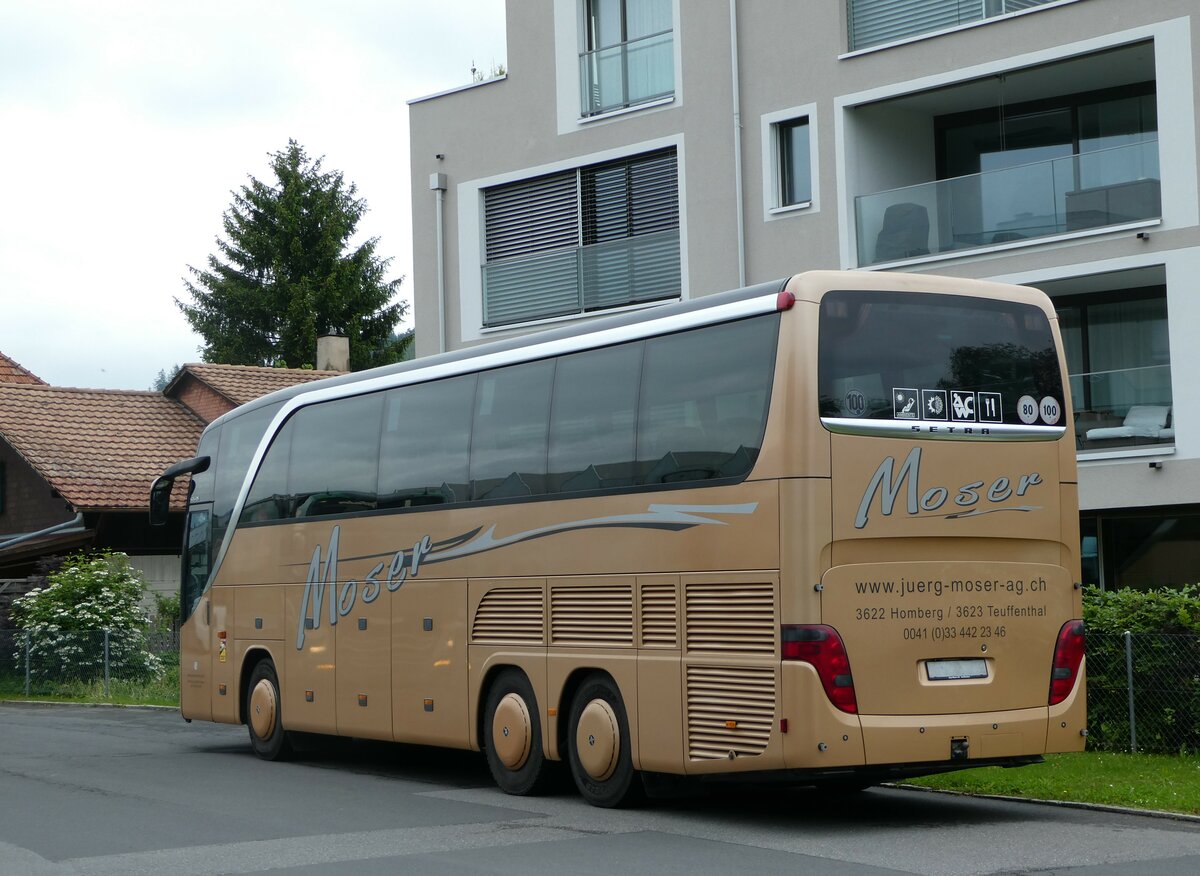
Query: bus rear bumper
[[962, 738], [864, 776]]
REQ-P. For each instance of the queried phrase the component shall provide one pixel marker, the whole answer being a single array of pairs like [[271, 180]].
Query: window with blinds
[[875, 22], [600, 236]]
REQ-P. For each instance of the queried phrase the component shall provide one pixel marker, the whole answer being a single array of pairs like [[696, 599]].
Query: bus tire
[[264, 715], [513, 735], [598, 746]]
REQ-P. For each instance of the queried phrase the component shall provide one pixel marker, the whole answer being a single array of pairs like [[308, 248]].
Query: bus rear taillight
[[1068, 655], [822, 647]]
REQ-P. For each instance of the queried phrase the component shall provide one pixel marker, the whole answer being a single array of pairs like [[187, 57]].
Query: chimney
[[333, 351]]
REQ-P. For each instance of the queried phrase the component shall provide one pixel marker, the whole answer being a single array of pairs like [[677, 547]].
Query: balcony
[[582, 279], [1128, 407], [1106, 187], [627, 74], [875, 22]]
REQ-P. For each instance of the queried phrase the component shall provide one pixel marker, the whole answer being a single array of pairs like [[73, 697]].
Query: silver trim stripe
[[942, 430]]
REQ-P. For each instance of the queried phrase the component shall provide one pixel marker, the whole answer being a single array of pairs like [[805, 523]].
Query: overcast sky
[[124, 126]]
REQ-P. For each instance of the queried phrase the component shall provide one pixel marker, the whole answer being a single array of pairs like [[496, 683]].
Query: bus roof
[[516, 343]]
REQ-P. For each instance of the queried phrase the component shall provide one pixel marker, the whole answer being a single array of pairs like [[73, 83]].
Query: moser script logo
[[887, 486], [323, 588]]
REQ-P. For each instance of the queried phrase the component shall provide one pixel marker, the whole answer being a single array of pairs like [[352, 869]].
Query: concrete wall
[[793, 55]]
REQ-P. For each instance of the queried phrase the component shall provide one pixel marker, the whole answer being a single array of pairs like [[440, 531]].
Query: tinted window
[[239, 440], [508, 442], [426, 439], [593, 424], [202, 482], [922, 356], [268, 498], [335, 457], [197, 559], [704, 401]]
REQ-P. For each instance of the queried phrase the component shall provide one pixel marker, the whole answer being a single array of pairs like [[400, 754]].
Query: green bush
[[1163, 610], [166, 611], [66, 619], [1164, 657]]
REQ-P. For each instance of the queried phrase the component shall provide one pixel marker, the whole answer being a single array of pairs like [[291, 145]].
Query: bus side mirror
[[160, 490], [160, 500]]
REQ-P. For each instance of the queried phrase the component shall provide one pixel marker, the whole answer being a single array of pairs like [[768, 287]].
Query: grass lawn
[[162, 692], [1170, 783]]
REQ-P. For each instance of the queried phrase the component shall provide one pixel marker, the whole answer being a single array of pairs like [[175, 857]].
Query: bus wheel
[[598, 746], [264, 716], [514, 735]]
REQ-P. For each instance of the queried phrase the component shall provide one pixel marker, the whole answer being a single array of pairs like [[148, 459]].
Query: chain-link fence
[[82, 664], [1143, 688], [1144, 692]]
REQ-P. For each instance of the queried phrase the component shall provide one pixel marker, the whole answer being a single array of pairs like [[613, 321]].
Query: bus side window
[[197, 559], [508, 434], [593, 419], [704, 401], [426, 436], [335, 457], [268, 497]]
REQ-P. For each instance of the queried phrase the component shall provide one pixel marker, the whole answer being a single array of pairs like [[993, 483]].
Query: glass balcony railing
[[1123, 408], [874, 22], [1091, 190], [582, 279], [627, 74]]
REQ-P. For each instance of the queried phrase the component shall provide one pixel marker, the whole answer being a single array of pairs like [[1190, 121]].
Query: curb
[[1064, 804], [49, 703]]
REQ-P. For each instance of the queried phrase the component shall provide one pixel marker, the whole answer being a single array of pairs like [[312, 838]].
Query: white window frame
[[1176, 134], [772, 175], [917, 37], [569, 36], [472, 243], [1183, 311]]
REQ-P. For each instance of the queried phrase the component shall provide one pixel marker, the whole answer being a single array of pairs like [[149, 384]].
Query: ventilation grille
[[729, 709], [731, 618], [660, 616], [509, 615], [600, 615]]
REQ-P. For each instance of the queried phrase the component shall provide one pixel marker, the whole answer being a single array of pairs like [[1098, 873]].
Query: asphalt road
[[108, 791]]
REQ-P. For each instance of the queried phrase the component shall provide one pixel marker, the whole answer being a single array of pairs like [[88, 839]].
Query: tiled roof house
[[76, 464], [12, 372]]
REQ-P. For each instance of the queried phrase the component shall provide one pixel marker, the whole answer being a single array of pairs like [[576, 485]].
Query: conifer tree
[[285, 272]]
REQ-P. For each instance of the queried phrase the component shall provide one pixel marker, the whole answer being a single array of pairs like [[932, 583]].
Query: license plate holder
[[959, 669]]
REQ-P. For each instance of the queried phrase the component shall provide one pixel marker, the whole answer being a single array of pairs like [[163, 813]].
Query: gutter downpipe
[[437, 182], [737, 144], [49, 530]]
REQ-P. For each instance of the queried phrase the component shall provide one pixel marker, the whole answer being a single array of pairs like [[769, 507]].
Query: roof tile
[[12, 371], [100, 449], [244, 383]]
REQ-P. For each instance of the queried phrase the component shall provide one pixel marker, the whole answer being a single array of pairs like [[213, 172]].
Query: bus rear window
[[909, 357]]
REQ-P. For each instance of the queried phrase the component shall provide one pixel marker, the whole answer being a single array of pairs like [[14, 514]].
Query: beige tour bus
[[821, 531]]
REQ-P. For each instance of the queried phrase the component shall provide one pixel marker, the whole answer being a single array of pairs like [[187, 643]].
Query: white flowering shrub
[[66, 619]]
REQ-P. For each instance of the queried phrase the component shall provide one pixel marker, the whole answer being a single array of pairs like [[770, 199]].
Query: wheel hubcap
[[598, 740], [263, 709], [511, 731]]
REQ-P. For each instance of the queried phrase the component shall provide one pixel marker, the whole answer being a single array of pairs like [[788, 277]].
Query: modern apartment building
[[643, 151]]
